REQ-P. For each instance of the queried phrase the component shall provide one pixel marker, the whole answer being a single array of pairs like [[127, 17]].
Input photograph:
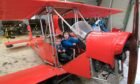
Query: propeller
[[133, 47]]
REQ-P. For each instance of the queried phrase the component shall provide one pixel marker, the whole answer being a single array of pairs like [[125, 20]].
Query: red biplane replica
[[102, 51]]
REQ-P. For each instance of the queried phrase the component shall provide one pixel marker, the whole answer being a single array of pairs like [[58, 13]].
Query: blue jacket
[[69, 42]]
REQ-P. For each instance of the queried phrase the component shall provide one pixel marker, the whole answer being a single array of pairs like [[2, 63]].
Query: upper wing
[[19, 9], [31, 76], [25, 9], [88, 11]]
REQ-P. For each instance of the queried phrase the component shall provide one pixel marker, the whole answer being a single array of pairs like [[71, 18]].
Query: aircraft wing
[[88, 11], [25, 9], [18, 9], [31, 76]]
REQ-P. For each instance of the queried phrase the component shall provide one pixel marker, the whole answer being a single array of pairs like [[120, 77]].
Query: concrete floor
[[17, 58], [21, 57]]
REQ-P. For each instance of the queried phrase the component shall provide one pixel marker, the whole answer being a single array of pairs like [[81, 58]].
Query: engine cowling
[[103, 46]]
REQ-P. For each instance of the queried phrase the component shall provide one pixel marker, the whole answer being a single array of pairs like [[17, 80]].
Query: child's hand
[[64, 50], [59, 50], [74, 44]]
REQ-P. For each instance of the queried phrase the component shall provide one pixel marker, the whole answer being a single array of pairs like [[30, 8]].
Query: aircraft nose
[[103, 46]]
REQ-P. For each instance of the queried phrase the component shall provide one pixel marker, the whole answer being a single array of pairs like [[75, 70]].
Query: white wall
[[105, 3], [137, 80], [130, 22], [117, 19]]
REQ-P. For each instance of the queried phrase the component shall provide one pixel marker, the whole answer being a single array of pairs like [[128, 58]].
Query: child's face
[[58, 41], [66, 35]]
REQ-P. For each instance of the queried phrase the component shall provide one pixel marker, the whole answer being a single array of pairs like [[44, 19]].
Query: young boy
[[69, 42], [60, 48], [63, 57]]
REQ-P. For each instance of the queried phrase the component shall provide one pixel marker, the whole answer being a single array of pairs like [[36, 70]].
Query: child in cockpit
[[59, 46], [69, 42], [63, 57]]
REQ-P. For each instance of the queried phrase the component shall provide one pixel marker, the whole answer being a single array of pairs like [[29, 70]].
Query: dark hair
[[66, 32], [59, 37]]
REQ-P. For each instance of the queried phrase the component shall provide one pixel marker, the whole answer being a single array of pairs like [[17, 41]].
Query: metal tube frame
[[63, 19], [78, 12], [56, 54], [82, 16], [62, 23], [76, 18], [52, 35], [41, 25], [111, 2]]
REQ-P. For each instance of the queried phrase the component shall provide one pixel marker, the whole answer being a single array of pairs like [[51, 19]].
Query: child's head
[[58, 39], [66, 35]]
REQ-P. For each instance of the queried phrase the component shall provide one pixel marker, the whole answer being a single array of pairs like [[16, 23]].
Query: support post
[[52, 34]]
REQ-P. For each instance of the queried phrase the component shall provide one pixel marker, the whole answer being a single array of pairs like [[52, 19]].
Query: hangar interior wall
[[130, 22], [118, 19]]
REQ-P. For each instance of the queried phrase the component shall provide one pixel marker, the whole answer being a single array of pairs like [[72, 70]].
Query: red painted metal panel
[[25, 9], [79, 66], [43, 49], [16, 42], [116, 30], [31, 76], [56, 25], [103, 46], [30, 36]]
